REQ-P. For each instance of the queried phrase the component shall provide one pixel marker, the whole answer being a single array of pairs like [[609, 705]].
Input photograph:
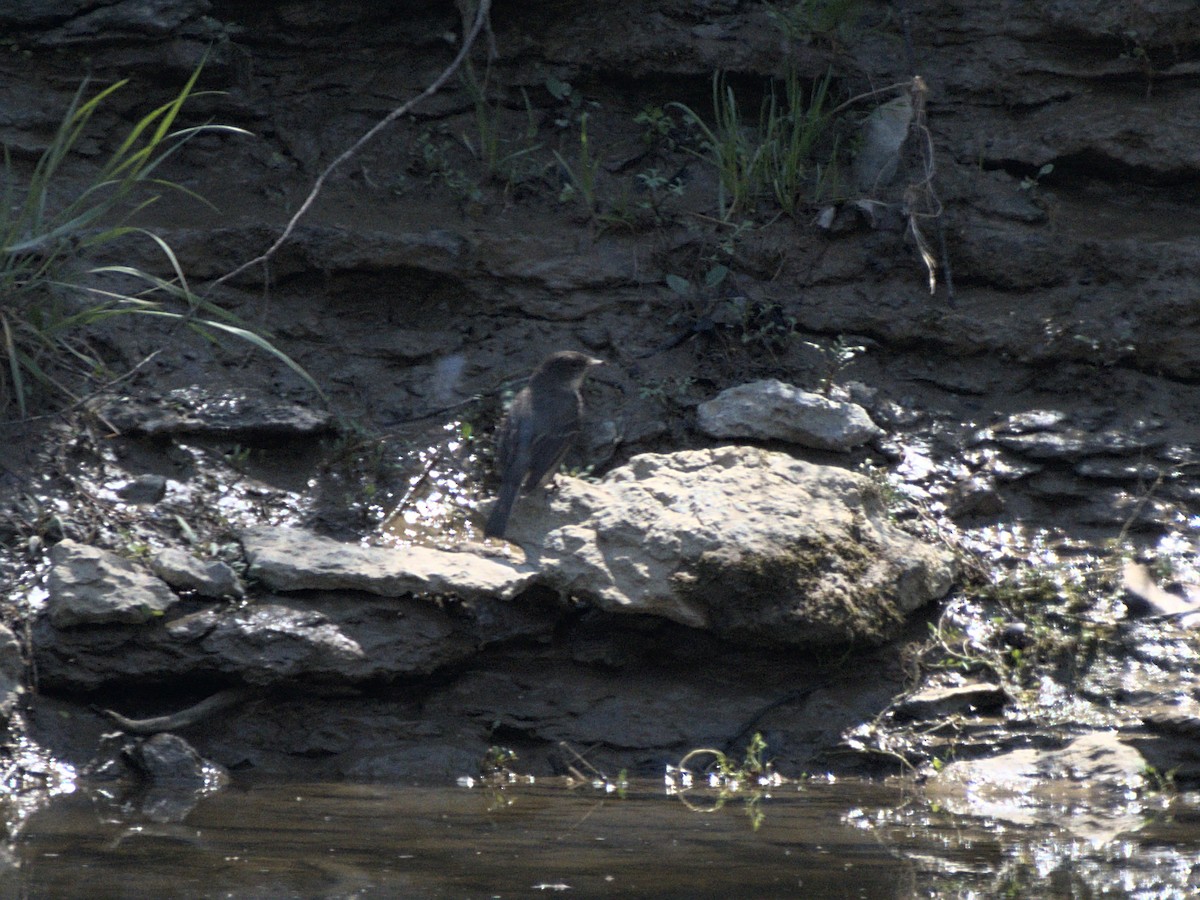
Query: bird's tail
[[498, 519]]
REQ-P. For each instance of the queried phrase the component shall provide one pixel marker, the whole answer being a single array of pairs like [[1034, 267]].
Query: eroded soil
[[1041, 408]]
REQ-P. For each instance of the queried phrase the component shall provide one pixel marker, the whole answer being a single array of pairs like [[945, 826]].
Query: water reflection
[[844, 839]]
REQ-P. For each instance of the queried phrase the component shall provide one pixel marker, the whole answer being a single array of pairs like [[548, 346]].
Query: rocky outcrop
[[755, 547]]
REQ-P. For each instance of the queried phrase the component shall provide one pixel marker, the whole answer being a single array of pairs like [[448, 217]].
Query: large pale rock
[[755, 546], [291, 559], [773, 411], [89, 586]]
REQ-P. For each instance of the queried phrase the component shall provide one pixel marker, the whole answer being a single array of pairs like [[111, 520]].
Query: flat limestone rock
[[291, 559], [223, 414]]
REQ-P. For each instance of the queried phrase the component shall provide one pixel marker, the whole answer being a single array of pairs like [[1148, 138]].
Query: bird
[[537, 430]]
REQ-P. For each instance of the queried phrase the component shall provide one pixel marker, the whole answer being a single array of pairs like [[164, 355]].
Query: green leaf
[[680, 286], [715, 275]]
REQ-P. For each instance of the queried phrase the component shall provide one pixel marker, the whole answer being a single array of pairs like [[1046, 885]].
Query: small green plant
[[836, 357], [572, 106], [889, 494], [670, 391], [437, 166], [763, 325], [802, 20], [727, 778], [498, 762], [720, 767], [1029, 182], [713, 278], [658, 126], [1158, 781], [658, 190], [48, 297]]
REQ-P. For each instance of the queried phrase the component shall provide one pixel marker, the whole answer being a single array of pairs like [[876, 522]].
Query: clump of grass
[[48, 295], [772, 157], [789, 131], [507, 160], [729, 146], [803, 20], [581, 177]]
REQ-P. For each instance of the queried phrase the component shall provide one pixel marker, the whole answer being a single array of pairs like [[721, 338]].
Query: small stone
[[185, 572], [1016, 635], [938, 702], [975, 495], [169, 758], [1031, 421], [143, 489], [771, 410]]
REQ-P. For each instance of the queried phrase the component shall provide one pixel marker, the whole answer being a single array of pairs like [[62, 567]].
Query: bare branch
[[481, 18]]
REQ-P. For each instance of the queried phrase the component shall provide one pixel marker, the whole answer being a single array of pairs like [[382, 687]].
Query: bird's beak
[[592, 363]]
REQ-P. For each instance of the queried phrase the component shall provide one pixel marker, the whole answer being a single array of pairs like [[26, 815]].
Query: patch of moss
[[817, 590]]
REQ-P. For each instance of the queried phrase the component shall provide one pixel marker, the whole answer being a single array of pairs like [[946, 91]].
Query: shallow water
[[817, 839]]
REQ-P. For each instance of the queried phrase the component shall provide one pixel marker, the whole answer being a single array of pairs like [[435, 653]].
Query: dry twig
[[481, 17]]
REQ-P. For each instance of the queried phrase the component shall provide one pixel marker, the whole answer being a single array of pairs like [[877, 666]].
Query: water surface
[[813, 840]]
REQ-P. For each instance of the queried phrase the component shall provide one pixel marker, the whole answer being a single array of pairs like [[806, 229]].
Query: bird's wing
[[551, 439]]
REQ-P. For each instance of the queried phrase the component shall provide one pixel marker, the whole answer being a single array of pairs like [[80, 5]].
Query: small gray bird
[[538, 430]]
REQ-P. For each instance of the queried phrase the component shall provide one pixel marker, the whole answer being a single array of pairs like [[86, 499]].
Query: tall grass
[[49, 295], [789, 131], [490, 146], [581, 177], [770, 157]]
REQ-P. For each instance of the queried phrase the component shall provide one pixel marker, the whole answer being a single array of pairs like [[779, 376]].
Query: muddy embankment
[[557, 198]]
